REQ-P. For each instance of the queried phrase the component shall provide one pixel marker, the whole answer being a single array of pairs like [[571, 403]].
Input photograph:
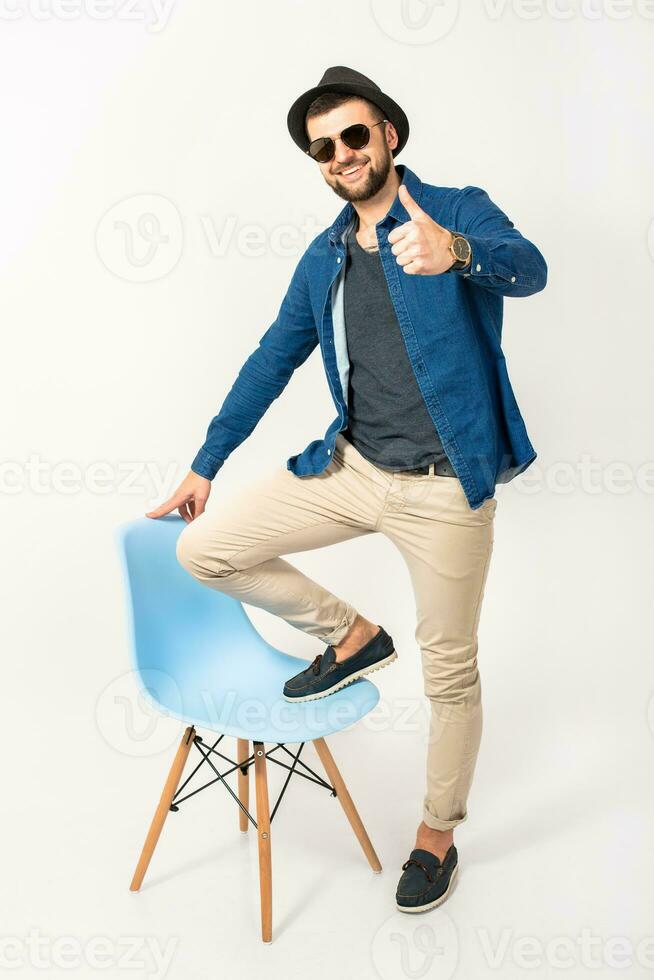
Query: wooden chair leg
[[242, 751], [163, 809], [334, 775], [263, 834]]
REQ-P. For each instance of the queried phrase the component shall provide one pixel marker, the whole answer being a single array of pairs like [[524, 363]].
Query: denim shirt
[[451, 325]]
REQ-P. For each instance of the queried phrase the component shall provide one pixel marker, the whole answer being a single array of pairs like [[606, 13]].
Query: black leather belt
[[442, 468]]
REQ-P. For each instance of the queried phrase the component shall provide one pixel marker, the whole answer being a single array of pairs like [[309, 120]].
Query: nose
[[343, 155]]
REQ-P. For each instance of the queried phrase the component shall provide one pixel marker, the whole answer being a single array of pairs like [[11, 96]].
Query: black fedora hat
[[351, 82]]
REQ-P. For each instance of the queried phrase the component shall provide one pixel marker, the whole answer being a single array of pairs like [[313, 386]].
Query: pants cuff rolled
[[340, 631], [437, 824]]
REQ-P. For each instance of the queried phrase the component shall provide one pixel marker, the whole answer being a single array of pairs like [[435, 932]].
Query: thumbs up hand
[[421, 245]]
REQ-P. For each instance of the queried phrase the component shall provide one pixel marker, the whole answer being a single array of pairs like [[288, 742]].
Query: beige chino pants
[[236, 547]]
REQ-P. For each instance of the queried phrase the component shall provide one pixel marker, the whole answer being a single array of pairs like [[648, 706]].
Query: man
[[404, 294]]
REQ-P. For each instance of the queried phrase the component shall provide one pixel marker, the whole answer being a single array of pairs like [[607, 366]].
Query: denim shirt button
[[478, 268], [338, 259], [512, 278]]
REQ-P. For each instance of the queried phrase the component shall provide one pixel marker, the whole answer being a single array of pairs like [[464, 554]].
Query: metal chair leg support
[[264, 815]]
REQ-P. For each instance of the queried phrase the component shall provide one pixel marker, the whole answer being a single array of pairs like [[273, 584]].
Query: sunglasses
[[356, 137]]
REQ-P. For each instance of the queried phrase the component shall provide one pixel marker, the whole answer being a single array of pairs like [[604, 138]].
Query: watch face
[[461, 249]]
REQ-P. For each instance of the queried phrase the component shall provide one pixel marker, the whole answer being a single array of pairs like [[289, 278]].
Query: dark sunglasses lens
[[356, 137], [322, 149]]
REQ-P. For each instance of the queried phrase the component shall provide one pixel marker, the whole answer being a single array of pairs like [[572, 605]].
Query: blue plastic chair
[[198, 657]]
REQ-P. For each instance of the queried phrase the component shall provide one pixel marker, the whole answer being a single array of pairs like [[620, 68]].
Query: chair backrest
[[176, 623]]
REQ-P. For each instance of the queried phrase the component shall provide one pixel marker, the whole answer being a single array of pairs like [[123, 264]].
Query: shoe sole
[[438, 901], [346, 680]]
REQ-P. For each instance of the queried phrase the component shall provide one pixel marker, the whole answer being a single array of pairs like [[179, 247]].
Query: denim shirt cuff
[[206, 465], [480, 261]]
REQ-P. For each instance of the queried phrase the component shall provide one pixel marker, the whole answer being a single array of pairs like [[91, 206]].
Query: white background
[[120, 358]]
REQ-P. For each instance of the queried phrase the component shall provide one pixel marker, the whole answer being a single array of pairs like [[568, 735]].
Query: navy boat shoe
[[426, 881], [325, 674]]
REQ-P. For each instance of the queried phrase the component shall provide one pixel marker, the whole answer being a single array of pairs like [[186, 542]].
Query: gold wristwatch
[[461, 251]]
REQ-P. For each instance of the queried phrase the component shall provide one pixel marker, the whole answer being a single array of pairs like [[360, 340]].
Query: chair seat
[[199, 658], [217, 696]]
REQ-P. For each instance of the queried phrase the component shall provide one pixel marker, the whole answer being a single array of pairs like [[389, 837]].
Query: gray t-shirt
[[388, 420]]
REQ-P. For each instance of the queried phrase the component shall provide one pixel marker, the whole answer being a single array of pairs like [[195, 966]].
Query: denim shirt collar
[[397, 211]]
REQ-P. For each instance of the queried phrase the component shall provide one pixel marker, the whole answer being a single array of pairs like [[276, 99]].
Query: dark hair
[[331, 100]]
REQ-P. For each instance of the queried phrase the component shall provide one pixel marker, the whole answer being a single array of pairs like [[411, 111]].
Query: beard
[[371, 184]]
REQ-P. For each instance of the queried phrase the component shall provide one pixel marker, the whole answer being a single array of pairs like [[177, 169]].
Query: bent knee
[[193, 554], [187, 549]]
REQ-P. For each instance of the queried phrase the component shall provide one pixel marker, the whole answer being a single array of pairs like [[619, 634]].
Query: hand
[[421, 245], [189, 498]]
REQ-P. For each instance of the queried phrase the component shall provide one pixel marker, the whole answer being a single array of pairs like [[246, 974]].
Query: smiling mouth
[[351, 173]]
